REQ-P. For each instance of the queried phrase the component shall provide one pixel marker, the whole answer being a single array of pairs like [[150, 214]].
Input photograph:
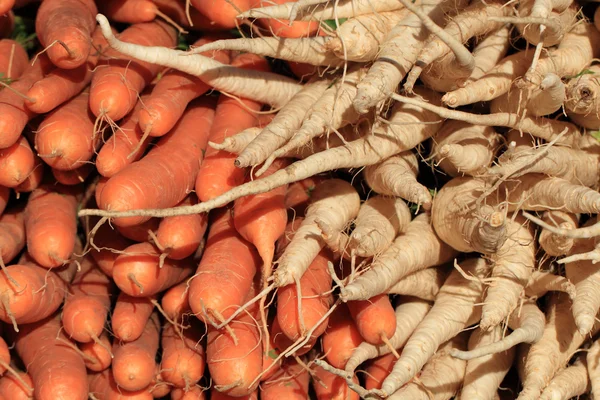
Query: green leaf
[[273, 354], [5, 79], [182, 43], [595, 135], [584, 72], [333, 24], [24, 33]]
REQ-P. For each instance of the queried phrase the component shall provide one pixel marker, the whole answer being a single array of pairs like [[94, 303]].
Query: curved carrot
[[167, 173], [222, 13], [12, 234], [34, 179], [139, 232], [224, 275], [133, 366], [118, 81], [175, 302], [172, 94], [57, 370], [183, 358], [289, 382], [137, 272], [332, 387], [195, 393], [51, 224], [13, 58], [282, 343], [107, 239], [375, 318], [176, 10], [130, 315], [180, 236], [66, 139], [74, 176], [65, 27], [283, 28], [4, 196], [12, 388], [16, 163], [98, 355], [129, 11], [217, 173], [6, 6], [340, 338], [378, 369], [103, 386]]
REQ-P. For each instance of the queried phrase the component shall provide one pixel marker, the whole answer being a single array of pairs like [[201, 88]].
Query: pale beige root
[[585, 275], [307, 50], [358, 39], [483, 375], [454, 309], [556, 245], [408, 125], [542, 282], [378, 222], [274, 89], [415, 249], [321, 12], [441, 377], [527, 99], [469, 23], [570, 382], [494, 83], [460, 148], [489, 51], [398, 53], [424, 284], [409, 313], [466, 229], [302, 4], [283, 126], [512, 266], [538, 363], [583, 98], [593, 367], [585, 232], [557, 22], [397, 176], [335, 202], [527, 323], [237, 143], [597, 18]]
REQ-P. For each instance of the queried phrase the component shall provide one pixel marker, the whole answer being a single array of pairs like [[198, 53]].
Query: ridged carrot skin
[[13, 58]]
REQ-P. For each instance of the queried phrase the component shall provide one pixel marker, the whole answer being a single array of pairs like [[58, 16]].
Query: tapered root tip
[[462, 355], [105, 27], [584, 323]]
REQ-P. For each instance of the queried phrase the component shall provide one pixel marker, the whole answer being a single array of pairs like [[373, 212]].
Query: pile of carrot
[[221, 199]]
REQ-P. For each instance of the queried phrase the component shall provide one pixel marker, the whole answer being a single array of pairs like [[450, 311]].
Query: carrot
[[340, 338], [137, 271], [12, 234], [60, 84], [175, 302], [183, 359], [377, 369], [179, 10], [74, 176], [51, 224], [4, 197], [12, 388], [13, 113], [222, 13], [88, 302], [289, 382], [97, 354], [328, 386], [14, 60], [103, 386], [133, 366], [130, 315], [179, 237], [281, 344], [286, 28], [172, 93], [158, 387], [130, 11], [109, 243], [216, 395], [299, 193], [117, 82], [57, 370], [176, 155], [374, 318], [16, 163], [140, 232], [6, 6], [34, 179], [224, 275]]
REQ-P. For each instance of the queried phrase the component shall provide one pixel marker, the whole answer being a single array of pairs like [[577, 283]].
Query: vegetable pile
[[389, 199]]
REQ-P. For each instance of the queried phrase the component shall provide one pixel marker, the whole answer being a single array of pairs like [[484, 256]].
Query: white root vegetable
[[397, 176], [407, 127], [593, 367], [237, 143], [307, 50], [424, 284], [440, 378], [483, 375], [583, 98], [556, 245], [569, 383], [460, 148], [542, 282], [378, 222], [512, 266], [489, 51], [335, 202], [273, 89], [454, 309], [415, 249], [557, 21], [409, 313]]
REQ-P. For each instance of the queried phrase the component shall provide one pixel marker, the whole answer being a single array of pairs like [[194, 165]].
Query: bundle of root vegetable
[[292, 207]]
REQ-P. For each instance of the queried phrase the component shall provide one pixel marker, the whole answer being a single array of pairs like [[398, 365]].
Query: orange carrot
[[73, 177], [4, 196], [34, 179], [283, 28], [57, 370], [61, 85], [103, 386], [4, 357], [289, 382], [118, 81], [16, 163], [12, 234], [176, 10], [224, 275], [183, 358], [129, 11], [222, 13], [375, 318], [282, 343], [98, 356], [13, 113], [130, 315], [66, 139], [196, 393], [172, 94], [341, 337], [378, 369], [137, 271], [167, 173], [179, 237], [216, 395], [65, 27], [88, 302], [140, 232], [51, 224], [13, 58], [158, 387], [332, 387], [12, 388], [175, 302], [107, 239], [133, 366], [6, 6], [218, 173]]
